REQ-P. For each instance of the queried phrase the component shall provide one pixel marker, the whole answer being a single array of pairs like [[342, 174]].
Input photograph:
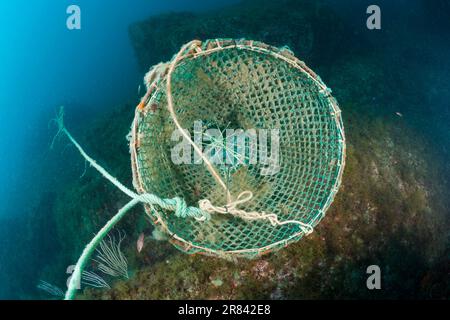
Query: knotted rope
[[177, 204]]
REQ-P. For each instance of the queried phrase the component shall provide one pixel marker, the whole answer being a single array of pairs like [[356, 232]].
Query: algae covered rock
[[159, 37]]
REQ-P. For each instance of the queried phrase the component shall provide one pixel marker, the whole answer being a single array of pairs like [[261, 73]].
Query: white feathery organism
[[110, 258], [93, 280], [50, 288]]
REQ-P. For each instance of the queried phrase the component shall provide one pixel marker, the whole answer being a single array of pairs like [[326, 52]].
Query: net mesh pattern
[[247, 85]]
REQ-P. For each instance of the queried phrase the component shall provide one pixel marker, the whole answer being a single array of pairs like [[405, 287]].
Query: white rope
[[209, 166], [176, 204], [231, 208]]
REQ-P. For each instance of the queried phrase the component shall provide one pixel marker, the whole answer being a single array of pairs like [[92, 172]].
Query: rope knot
[[183, 211], [180, 207]]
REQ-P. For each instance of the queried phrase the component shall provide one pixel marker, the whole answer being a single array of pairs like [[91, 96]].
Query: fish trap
[[251, 86]]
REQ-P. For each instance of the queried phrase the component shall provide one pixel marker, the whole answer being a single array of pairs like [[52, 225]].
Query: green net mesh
[[247, 85]]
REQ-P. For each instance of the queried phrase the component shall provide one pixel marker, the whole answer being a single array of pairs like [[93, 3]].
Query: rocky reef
[[392, 209]]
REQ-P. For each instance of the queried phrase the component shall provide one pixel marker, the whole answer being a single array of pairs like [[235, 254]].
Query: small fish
[[139, 89], [140, 242], [399, 114]]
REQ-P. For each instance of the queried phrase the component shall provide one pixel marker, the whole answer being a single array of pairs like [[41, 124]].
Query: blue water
[[44, 65]]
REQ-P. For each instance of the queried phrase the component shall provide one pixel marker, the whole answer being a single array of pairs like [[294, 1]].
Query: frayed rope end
[[59, 120]]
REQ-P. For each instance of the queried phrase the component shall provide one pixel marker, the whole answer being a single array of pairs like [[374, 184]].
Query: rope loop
[[245, 196]]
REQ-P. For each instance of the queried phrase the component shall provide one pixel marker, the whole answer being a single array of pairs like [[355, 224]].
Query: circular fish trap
[[257, 203]]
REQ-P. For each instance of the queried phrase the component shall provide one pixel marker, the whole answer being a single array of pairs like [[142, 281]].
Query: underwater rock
[[157, 38]]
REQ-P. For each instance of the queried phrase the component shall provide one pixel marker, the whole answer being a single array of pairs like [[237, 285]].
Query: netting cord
[[245, 196], [178, 205]]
